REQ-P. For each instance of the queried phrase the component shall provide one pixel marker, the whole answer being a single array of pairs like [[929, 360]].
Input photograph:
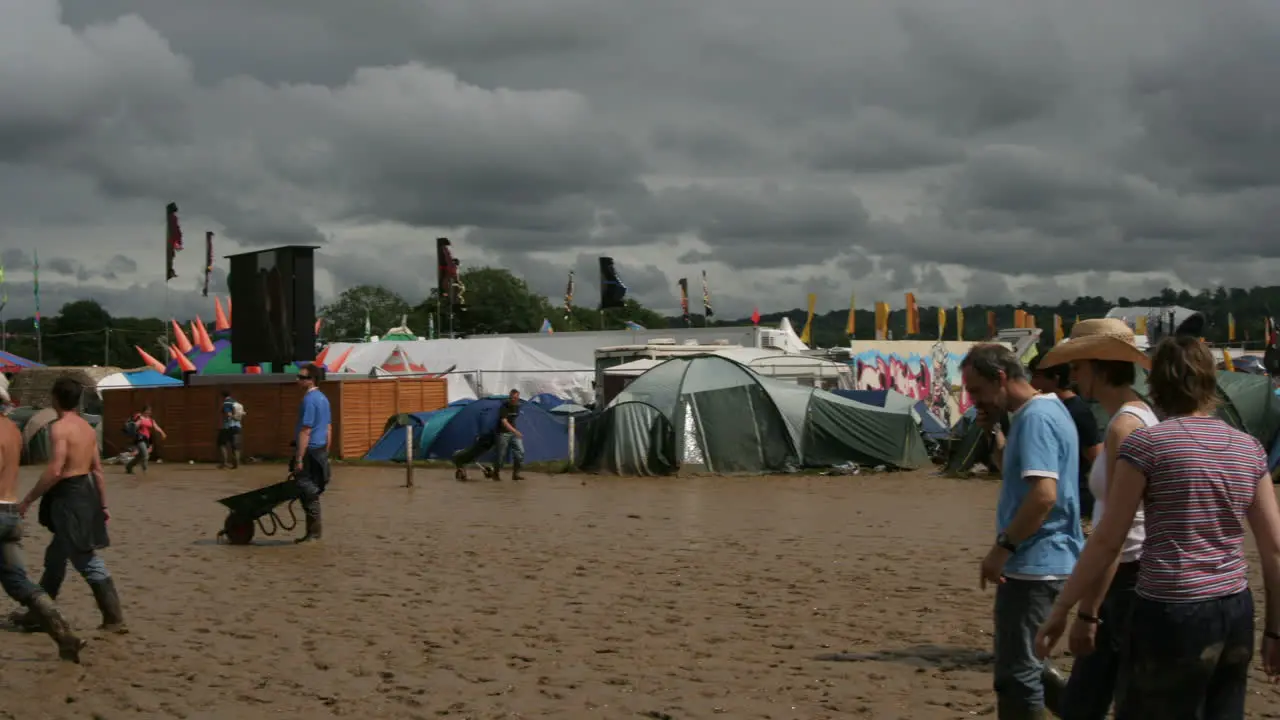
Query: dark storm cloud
[[60, 266], [14, 259], [887, 146]]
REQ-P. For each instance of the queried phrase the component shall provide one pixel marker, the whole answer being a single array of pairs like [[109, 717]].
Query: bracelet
[[1091, 619], [1271, 635]]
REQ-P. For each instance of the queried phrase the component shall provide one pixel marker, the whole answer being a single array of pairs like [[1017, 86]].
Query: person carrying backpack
[[143, 427], [229, 435]]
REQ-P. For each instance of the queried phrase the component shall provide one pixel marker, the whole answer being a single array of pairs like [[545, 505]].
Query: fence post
[[573, 422], [408, 454]]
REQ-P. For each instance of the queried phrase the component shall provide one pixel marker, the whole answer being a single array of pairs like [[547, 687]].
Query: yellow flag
[[1231, 327], [1057, 329], [1226, 361], [959, 323], [849, 326], [1019, 318], [913, 315], [806, 337], [882, 320], [1140, 325], [942, 321]]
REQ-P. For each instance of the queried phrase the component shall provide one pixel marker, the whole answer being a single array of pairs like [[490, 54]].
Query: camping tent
[[439, 434], [34, 424], [144, 378], [930, 425], [11, 363], [710, 412]]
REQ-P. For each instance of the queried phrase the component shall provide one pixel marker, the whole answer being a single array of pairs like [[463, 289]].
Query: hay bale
[[33, 387]]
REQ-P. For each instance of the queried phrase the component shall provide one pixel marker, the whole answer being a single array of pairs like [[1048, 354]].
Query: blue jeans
[[13, 574], [1188, 661], [512, 443], [1021, 605], [57, 555], [1093, 681]]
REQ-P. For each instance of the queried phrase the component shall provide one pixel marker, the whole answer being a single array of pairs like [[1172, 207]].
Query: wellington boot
[[515, 472], [1055, 687], [1009, 709], [104, 593], [314, 528], [28, 621], [69, 646]]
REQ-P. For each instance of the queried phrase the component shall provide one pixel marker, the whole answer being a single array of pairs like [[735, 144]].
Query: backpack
[[131, 428], [237, 411]]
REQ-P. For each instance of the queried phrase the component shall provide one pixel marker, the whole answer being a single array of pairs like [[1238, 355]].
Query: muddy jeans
[[509, 443], [1021, 605], [89, 564], [143, 451], [13, 574], [1188, 660], [1093, 681]]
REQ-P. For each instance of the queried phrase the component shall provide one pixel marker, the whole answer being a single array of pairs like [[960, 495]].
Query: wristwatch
[[1003, 541]]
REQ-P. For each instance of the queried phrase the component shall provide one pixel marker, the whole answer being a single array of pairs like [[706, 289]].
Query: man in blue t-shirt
[[1038, 535], [229, 434], [310, 465]]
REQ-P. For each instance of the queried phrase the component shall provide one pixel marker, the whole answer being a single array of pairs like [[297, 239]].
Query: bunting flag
[[1058, 335], [568, 297], [546, 327], [613, 292], [992, 328], [684, 300], [35, 285], [850, 324], [706, 300], [208, 260], [913, 315], [882, 321], [806, 337], [172, 240], [1231, 327], [942, 321], [1227, 364], [959, 323], [755, 316]]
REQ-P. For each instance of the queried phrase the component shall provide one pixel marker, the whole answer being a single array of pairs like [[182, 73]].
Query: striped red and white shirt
[[1201, 478]]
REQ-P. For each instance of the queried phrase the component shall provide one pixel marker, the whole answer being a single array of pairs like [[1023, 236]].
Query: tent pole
[[106, 347], [408, 454]]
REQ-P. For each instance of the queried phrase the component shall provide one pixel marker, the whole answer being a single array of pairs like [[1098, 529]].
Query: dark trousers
[[13, 574], [1093, 680], [312, 478], [1086, 500], [1021, 605], [1188, 661]]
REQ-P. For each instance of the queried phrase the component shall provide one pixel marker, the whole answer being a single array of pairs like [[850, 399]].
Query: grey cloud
[[878, 140], [121, 265], [14, 259], [61, 266]]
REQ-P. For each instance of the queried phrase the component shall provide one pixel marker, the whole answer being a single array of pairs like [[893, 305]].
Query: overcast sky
[[969, 150]]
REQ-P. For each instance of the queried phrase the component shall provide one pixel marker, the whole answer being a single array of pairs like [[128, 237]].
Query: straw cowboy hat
[[1100, 339]]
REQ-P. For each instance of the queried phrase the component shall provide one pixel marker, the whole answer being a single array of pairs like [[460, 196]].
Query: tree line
[[497, 301]]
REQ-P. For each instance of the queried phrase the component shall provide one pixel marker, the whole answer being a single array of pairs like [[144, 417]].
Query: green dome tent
[[709, 413]]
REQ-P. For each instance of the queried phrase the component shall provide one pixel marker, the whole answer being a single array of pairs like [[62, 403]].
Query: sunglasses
[[303, 377]]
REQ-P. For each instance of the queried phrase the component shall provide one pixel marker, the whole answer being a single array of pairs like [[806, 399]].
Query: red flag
[[755, 316], [173, 239]]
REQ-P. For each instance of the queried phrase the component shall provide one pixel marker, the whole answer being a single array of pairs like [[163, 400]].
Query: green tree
[[497, 302], [344, 319], [79, 334]]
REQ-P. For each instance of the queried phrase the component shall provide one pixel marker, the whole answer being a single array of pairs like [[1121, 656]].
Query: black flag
[[613, 292], [208, 260], [172, 239]]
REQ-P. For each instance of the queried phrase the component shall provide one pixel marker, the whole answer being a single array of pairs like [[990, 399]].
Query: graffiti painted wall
[[923, 370]]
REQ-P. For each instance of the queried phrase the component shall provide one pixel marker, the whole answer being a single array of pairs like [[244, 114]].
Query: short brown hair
[[1115, 373], [1184, 376], [315, 372]]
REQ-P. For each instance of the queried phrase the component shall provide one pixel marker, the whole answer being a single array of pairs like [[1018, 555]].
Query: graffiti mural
[[920, 370]]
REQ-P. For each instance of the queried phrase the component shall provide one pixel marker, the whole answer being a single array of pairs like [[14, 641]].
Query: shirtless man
[[13, 576], [74, 506]]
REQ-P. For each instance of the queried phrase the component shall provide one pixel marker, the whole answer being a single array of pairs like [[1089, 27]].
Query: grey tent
[[709, 413]]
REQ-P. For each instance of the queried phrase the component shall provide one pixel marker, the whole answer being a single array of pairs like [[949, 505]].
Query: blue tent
[[439, 434], [547, 400], [930, 426]]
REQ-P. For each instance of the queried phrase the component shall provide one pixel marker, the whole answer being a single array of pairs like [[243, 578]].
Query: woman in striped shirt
[[1190, 637]]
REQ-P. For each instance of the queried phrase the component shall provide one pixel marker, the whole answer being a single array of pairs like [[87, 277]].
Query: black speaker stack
[[273, 306]]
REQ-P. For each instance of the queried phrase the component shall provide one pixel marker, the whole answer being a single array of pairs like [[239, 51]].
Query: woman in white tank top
[[1102, 355]]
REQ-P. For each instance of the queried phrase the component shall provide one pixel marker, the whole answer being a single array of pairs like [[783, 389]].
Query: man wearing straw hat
[[1038, 536]]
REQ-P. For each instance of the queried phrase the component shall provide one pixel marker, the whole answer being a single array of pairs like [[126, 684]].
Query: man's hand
[[992, 568], [1084, 637], [106, 515], [519, 434], [986, 420], [23, 507]]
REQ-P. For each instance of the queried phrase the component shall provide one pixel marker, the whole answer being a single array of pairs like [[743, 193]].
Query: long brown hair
[[1184, 377]]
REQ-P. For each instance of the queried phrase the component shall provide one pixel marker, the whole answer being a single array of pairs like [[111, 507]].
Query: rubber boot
[[69, 646], [27, 620], [1010, 709], [109, 605], [306, 536], [515, 472], [1055, 687], [235, 459], [314, 529]]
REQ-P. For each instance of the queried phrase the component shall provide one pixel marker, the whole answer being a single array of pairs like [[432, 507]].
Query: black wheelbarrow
[[254, 508]]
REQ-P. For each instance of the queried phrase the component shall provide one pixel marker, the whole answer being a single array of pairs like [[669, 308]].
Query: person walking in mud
[[144, 430], [510, 440], [310, 465], [73, 506], [40, 608], [229, 442]]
